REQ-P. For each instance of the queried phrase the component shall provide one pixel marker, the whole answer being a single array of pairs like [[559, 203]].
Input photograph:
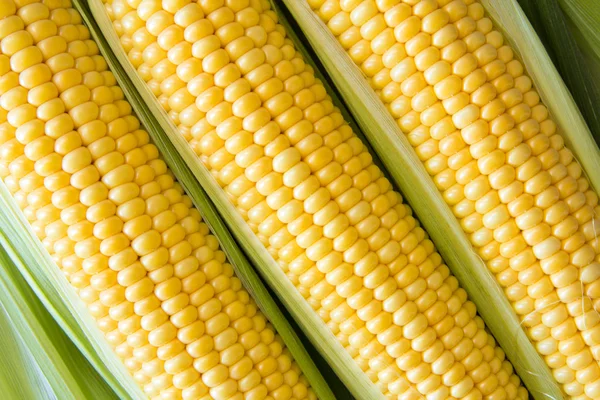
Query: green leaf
[[585, 16], [584, 22]]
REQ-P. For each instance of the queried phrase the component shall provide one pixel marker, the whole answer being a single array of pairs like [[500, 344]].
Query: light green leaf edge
[[101, 28], [584, 22], [39, 362], [21, 376], [586, 16], [411, 177], [313, 327]]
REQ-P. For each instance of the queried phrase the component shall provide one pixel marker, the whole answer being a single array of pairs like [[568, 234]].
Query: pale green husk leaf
[[585, 15], [584, 18]]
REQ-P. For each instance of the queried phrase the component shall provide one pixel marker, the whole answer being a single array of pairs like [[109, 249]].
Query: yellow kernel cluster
[[477, 124], [113, 218], [264, 126]]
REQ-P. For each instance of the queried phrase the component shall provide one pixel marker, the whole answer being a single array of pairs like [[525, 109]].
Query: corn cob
[[119, 226], [263, 125], [477, 124]]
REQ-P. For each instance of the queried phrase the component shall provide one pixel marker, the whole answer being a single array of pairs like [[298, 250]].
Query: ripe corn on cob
[[264, 126], [113, 218], [477, 124]]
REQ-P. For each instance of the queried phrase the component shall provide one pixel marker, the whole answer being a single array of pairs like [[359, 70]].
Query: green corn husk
[[148, 109], [411, 177], [585, 16], [584, 20], [551, 24], [40, 361]]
